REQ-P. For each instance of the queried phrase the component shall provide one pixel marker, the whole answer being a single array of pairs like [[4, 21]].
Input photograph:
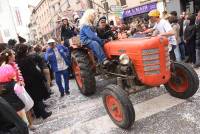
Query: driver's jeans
[[97, 49]]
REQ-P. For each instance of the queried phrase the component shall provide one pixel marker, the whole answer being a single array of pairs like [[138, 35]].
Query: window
[[123, 2]]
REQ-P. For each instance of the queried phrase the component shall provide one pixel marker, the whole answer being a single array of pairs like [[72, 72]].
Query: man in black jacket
[[10, 122], [197, 40], [182, 43], [189, 37]]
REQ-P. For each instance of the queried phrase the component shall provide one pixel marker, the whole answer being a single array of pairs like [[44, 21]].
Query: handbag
[[24, 96]]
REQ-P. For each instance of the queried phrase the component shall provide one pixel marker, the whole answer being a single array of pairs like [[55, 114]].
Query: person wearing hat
[[76, 20], [58, 57], [163, 28], [67, 31]]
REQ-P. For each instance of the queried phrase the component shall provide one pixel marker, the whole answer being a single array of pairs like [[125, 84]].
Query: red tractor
[[137, 64]]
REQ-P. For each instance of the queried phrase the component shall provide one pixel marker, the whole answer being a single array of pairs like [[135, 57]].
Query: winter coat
[[88, 34], [67, 32], [105, 33], [39, 61], [33, 78], [10, 122], [189, 34], [50, 57], [198, 34]]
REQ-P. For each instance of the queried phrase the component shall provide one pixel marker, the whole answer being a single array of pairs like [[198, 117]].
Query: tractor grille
[[151, 61], [167, 57]]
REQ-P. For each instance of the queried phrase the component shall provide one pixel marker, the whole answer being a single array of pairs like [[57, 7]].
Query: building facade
[[44, 16], [14, 20], [190, 6]]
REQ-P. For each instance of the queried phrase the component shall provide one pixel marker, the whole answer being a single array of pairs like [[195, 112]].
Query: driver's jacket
[[88, 34]]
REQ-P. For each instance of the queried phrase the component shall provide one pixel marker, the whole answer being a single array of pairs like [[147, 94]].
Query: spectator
[[197, 21], [176, 27], [174, 13], [182, 43], [189, 37], [10, 75], [76, 20], [12, 43], [44, 49], [2, 46], [34, 80], [45, 68], [58, 57], [41, 66], [163, 28], [10, 123], [67, 31], [111, 23], [197, 40], [89, 38], [103, 29], [165, 15]]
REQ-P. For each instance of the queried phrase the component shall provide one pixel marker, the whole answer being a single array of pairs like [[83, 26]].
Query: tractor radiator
[[151, 61]]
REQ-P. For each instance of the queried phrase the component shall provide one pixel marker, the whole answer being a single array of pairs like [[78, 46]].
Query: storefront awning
[[139, 10]]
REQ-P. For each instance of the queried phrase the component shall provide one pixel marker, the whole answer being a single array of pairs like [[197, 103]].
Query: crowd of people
[[182, 32], [34, 67]]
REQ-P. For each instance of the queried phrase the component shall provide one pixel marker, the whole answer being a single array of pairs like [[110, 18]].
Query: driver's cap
[[154, 13]]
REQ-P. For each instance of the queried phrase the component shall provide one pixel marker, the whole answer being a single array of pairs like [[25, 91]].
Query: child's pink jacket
[[7, 73]]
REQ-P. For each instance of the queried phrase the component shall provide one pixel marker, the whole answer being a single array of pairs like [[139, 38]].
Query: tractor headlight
[[124, 59]]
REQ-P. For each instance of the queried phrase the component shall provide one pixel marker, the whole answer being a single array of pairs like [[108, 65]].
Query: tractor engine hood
[[132, 46]]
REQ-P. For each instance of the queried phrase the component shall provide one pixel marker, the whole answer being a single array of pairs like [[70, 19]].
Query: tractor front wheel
[[184, 81], [118, 106], [83, 73]]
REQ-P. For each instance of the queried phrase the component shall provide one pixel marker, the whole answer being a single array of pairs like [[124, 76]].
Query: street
[[156, 113]]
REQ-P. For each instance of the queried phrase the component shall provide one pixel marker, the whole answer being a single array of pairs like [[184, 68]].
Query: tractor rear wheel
[[118, 106], [83, 73], [184, 81]]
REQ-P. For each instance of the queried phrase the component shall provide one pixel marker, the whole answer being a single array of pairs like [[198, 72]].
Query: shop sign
[[140, 10], [117, 10]]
